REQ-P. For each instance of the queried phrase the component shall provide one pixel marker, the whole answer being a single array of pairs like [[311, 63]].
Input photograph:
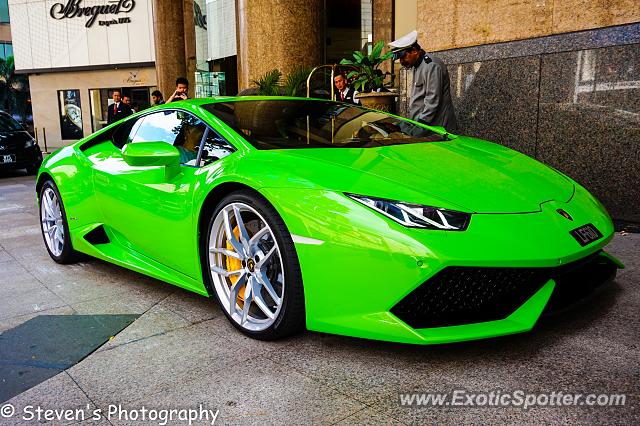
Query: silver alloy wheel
[[246, 266], [52, 222]]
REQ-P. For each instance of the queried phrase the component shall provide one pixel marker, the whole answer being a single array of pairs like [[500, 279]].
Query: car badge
[[565, 214], [251, 264]]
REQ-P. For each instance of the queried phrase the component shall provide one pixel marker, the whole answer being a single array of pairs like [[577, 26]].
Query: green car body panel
[[356, 263]]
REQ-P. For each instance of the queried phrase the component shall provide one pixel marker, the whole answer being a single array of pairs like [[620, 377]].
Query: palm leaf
[[296, 81], [377, 49], [267, 84]]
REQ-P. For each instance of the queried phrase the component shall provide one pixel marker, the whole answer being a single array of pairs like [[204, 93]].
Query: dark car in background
[[18, 149]]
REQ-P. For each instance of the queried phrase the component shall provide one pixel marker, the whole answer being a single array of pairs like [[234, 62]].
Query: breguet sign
[[75, 9], [81, 33]]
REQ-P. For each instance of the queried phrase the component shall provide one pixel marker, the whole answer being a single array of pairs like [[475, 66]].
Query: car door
[[149, 211]]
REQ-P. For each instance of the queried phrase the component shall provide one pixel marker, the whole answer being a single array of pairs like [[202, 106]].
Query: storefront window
[[6, 50], [210, 84], [4, 11], [101, 99], [70, 114], [98, 110], [215, 34]]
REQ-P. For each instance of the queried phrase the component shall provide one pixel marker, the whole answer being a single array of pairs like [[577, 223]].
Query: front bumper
[[357, 271], [465, 295]]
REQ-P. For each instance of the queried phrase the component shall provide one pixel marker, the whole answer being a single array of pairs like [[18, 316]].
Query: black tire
[[68, 254], [291, 317]]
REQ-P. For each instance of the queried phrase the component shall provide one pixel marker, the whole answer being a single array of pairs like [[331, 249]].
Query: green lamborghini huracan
[[299, 213]]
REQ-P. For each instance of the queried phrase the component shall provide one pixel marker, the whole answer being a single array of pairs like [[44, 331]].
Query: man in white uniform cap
[[431, 98]]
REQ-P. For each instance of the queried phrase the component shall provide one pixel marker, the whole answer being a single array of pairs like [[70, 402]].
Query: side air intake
[[97, 236]]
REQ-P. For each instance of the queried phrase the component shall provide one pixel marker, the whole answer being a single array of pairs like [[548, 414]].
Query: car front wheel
[[53, 222], [253, 267]]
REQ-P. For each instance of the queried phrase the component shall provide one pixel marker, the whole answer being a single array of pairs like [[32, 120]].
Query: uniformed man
[[344, 92], [430, 98]]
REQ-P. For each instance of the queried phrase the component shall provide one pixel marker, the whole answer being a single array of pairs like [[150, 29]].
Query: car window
[[215, 148], [134, 130], [122, 133], [302, 124], [8, 124], [179, 128]]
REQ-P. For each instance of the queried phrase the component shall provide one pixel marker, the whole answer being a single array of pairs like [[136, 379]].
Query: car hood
[[465, 173]]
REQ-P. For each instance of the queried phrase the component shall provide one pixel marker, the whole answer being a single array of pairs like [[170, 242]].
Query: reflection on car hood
[[475, 175]]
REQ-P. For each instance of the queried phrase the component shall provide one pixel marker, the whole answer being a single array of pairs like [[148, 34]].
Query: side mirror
[[148, 154]]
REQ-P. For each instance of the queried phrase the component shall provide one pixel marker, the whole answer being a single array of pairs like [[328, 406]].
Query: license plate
[[586, 234], [7, 159]]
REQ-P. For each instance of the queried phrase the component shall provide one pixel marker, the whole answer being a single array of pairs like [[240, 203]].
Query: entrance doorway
[[101, 99]]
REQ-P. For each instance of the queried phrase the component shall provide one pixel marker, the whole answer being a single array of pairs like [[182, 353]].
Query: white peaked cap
[[405, 41]]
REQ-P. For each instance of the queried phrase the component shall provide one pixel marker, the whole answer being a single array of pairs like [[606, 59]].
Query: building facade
[[76, 53], [6, 47], [559, 81]]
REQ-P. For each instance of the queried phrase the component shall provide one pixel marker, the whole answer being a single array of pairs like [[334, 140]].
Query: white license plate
[[7, 158]]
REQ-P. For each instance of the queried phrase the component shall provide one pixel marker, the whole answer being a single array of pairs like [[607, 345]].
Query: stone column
[[383, 26], [278, 34], [168, 24]]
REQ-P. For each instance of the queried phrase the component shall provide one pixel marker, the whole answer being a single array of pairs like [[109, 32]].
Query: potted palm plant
[[368, 79]]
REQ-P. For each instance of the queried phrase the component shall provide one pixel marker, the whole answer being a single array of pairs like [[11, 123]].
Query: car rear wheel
[[53, 223], [253, 267]]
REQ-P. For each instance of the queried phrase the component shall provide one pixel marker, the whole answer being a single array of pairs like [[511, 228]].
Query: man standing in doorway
[[344, 92], [118, 109], [430, 98]]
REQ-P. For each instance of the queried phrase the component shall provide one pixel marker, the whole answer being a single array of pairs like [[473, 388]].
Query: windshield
[[288, 124], [8, 124]]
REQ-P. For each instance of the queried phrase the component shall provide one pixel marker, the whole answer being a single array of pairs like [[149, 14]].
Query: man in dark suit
[[344, 92], [118, 109]]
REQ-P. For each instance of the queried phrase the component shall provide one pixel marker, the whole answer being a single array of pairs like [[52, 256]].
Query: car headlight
[[29, 143], [416, 215]]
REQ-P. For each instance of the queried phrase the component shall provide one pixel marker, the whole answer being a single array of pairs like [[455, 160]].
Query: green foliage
[[367, 77], [296, 82], [268, 83]]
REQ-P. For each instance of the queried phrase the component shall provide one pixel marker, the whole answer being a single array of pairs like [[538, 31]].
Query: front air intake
[[465, 295]]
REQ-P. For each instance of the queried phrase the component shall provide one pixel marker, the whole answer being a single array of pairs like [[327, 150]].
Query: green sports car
[[299, 213]]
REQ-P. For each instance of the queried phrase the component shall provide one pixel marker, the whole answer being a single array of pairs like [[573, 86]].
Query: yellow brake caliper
[[234, 264]]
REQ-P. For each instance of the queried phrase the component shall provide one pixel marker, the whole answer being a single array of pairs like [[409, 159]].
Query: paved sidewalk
[[182, 352]]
